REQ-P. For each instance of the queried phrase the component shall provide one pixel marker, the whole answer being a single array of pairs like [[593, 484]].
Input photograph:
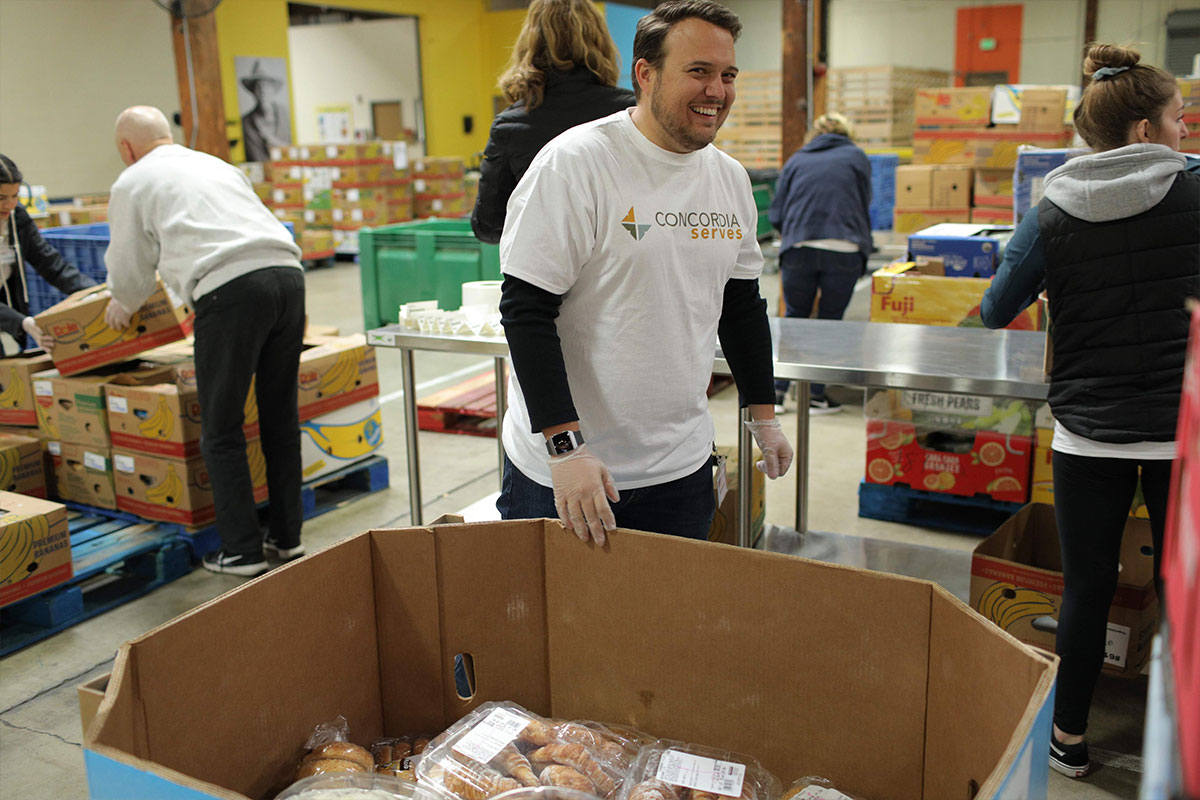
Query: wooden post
[[797, 69], [820, 99], [210, 136]]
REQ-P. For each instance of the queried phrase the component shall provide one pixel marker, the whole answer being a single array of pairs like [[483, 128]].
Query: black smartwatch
[[563, 442]]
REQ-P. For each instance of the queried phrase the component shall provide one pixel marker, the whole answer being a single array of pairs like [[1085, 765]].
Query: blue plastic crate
[[883, 189]]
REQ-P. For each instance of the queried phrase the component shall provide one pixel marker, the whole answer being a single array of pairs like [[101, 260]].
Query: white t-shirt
[[640, 241]]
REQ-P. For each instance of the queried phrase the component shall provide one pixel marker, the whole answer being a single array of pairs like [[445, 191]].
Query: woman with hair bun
[[822, 210], [562, 73], [21, 243], [1115, 244]]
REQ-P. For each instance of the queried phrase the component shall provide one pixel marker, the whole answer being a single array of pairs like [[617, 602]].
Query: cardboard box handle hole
[[464, 675]]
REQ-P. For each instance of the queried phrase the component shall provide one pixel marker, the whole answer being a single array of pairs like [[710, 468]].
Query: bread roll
[[321, 765], [344, 751]]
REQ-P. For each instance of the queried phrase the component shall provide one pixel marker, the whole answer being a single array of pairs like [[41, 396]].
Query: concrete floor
[[40, 737]]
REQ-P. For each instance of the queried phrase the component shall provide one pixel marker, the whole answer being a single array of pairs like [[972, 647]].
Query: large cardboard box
[[335, 372], [984, 148], [1043, 110], [1008, 102], [949, 411], [18, 405], [1041, 480], [966, 251], [964, 463], [683, 639], [22, 465], [158, 419], [83, 340], [340, 438], [944, 146], [83, 474], [174, 490], [725, 486], [994, 189], [1017, 582], [901, 293], [71, 408], [930, 186], [954, 107], [35, 546], [992, 217], [911, 220]]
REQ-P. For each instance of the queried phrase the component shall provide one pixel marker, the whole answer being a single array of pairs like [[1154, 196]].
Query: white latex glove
[[777, 453], [116, 315], [582, 489], [43, 340]]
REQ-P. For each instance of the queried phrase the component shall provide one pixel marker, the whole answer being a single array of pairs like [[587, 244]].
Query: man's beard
[[681, 132]]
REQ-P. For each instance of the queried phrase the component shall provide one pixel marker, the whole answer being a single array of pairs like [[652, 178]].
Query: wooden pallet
[[978, 515], [467, 408], [116, 558]]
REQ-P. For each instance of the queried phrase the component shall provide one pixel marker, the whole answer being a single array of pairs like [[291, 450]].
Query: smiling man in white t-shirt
[[629, 247]]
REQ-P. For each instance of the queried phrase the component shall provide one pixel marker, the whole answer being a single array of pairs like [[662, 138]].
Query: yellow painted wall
[[463, 49]]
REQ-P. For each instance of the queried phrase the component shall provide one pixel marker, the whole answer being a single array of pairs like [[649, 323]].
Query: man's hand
[[777, 453], [43, 340], [582, 489], [116, 315]]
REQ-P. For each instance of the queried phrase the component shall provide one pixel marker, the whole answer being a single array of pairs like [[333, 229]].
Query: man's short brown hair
[[652, 29]]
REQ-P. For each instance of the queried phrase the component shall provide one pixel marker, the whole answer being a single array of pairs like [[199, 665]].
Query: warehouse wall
[[353, 65], [63, 82], [760, 47]]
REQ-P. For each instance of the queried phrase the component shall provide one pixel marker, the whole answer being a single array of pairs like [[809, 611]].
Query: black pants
[[252, 326], [1091, 503]]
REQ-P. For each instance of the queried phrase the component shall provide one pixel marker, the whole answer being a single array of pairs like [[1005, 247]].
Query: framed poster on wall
[[335, 124], [264, 105]]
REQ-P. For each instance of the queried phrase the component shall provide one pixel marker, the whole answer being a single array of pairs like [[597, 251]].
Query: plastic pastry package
[[500, 747], [331, 752], [354, 786], [545, 793], [398, 756], [814, 788], [668, 770]]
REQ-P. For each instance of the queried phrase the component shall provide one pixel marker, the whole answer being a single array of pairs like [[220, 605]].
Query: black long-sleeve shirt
[[49, 263]]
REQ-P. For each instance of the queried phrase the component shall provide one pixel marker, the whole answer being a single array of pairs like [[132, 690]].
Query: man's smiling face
[[691, 94]]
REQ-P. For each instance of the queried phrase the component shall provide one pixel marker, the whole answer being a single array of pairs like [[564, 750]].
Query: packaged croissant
[[354, 786], [618, 746], [545, 793], [499, 747], [669, 770], [816, 788]]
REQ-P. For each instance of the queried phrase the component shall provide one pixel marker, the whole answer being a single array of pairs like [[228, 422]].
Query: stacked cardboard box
[[752, 133], [927, 194], [1190, 89], [879, 101], [37, 546], [920, 293], [438, 188]]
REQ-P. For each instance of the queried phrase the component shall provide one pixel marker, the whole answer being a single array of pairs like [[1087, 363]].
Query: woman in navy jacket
[[822, 210]]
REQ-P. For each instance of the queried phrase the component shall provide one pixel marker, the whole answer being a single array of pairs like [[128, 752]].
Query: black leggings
[[1091, 502]]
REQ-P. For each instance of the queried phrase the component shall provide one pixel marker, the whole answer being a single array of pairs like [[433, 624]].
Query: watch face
[[562, 443]]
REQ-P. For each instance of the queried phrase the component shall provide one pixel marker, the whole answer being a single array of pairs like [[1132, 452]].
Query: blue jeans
[[805, 270], [682, 507]]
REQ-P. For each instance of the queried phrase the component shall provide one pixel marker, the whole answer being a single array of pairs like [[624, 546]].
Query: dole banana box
[[83, 474], [71, 408], [335, 372], [900, 293], [176, 490], [17, 403], [953, 107], [340, 438], [43, 440], [1017, 583], [22, 466], [84, 341], [35, 546]]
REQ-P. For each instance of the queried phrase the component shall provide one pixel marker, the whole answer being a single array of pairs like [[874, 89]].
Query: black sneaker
[[779, 398], [1069, 759], [271, 547], [823, 405], [246, 566]]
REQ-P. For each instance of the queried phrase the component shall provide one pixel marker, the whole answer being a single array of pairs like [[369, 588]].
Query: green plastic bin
[[424, 260], [763, 194]]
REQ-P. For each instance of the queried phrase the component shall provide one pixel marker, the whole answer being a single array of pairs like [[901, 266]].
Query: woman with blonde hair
[[563, 72], [1115, 244], [822, 211]]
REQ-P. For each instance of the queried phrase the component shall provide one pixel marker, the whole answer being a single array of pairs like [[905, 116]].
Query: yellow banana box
[[1017, 583], [84, 341], [160, 419], [22, 465], [17, 403], [176, 490], [340, 438], [83, 474], [71, 408], [335, 372], [35, 546]]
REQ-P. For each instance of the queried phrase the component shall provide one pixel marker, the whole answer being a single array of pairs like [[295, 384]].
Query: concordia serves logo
[[630, 224]]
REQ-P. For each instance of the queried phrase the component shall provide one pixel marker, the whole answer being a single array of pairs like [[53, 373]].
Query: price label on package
[[123, 463], [43, 389], [702, 774], [489, 737], [95, 461], [118, 405], [819, 793]]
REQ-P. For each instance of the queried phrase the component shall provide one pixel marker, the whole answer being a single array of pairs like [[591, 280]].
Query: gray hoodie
[[1114, 184]]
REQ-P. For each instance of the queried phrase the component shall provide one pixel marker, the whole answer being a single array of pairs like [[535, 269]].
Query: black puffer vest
[[1117, 292]]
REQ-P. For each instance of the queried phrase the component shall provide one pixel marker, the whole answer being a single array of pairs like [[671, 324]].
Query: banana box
[[340, 438], [1017, 583], [71, 408], [160, 419], [176, 490], [17, 403], [22, 465], [35, 546], [335, 372], [83, 474], [84, 341], [47, 468]]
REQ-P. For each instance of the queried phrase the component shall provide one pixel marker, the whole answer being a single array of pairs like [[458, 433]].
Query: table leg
[[800, 464], [745, 479], [408, 379], [501, 408]]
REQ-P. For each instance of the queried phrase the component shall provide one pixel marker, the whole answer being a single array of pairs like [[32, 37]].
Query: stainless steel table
[[966, 360]]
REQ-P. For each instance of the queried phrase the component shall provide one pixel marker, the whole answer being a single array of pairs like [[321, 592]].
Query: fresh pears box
[[948, 411]]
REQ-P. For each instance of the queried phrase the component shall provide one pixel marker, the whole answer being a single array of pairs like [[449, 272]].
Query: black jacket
[[14, 296], [1120, 329], [570, 99]]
